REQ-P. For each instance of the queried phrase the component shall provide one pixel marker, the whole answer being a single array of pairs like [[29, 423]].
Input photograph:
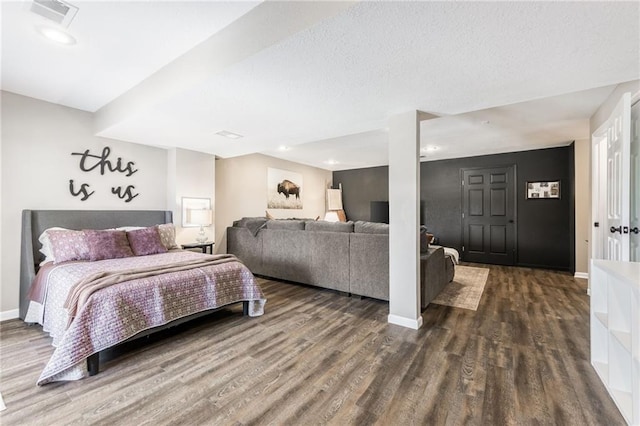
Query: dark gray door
[[488, 209]]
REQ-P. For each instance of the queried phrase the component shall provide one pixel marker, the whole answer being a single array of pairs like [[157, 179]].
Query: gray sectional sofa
[[345, 256]]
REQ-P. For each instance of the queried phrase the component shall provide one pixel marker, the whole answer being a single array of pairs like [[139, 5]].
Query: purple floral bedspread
[[118, 312]]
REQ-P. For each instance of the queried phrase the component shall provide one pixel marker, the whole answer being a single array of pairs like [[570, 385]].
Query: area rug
[[466, 288]]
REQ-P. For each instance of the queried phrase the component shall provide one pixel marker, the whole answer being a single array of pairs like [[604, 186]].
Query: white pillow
[[46, 248], [129, 228]]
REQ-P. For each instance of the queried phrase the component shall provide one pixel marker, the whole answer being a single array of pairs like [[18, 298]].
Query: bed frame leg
[[93, 364], [245, 308]]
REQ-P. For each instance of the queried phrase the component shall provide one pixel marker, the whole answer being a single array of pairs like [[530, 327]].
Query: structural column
[[404, 220]]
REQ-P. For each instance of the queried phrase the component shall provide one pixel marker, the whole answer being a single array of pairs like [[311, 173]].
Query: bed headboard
[[34, 222]]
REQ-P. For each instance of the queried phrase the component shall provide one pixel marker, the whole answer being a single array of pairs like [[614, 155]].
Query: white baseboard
[[405, 322], [7, 315], [584, 275]]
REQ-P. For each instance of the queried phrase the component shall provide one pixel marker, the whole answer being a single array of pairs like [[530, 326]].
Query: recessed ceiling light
[[57, 35], [485, 122], [229, 135], [331, 162], [283, 148], [430, 148]]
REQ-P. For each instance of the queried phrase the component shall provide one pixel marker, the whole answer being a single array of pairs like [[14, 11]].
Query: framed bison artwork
[[284, 189]]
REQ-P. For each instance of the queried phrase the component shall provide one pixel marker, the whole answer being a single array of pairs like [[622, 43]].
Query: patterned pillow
[[107, 244], [168, 235], [146, 241], [45, 248], [68, 245]]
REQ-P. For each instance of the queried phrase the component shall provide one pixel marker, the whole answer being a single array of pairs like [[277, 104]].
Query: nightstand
[[203, 246]]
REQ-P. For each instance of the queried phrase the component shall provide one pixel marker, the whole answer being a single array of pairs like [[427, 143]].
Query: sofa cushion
[[292, 225], [363, 227], [247, 247], [253, 224], [324, 226], [286, 253], [369, 265]]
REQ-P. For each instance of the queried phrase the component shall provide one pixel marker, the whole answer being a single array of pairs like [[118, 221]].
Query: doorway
[[489, 215]]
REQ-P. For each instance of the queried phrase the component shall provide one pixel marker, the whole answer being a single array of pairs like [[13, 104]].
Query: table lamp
[[200, 217]]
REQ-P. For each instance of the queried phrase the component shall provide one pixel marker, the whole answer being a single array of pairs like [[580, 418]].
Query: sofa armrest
[[433, 276]]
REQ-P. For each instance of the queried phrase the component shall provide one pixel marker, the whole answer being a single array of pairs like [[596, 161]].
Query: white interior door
[[634, 201], [618, 144], [611, 148], [599, 195]]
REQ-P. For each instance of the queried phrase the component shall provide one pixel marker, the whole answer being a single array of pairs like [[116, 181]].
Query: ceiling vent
[[54, 10]]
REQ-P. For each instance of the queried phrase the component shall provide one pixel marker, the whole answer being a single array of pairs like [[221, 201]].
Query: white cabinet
[[615, 332]]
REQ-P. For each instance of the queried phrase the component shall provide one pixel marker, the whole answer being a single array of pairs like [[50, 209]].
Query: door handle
[[634, 230], [614, 230]]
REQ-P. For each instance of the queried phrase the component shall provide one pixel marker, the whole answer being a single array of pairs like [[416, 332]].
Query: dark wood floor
[[317, 357]]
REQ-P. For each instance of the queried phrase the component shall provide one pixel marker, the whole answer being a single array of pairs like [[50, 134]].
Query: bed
[[90, 306]]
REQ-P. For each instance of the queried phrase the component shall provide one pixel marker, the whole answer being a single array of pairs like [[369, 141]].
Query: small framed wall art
[[543, 189], [200, 205]]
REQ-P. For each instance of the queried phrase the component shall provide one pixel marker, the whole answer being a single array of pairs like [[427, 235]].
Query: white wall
[[190, 174], [36, 165], [241, 190], [604, 111]]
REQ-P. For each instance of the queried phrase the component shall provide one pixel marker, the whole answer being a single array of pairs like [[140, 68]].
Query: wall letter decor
[[103, 162], [126, 194], [83, 190], [89, 162]]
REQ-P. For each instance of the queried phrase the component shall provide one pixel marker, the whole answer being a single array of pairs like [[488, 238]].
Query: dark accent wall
[[371, 184], [545, 227]]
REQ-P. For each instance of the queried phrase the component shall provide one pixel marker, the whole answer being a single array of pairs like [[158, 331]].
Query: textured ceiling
[[323, 78]]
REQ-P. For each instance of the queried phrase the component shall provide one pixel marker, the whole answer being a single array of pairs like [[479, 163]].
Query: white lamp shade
[[331, 216], [334, 199], [199, 216]]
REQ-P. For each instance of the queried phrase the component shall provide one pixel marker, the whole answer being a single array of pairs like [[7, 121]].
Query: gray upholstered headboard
[[34, 222]]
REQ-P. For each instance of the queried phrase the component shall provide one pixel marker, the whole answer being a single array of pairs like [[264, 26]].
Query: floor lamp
[[334, 206]]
